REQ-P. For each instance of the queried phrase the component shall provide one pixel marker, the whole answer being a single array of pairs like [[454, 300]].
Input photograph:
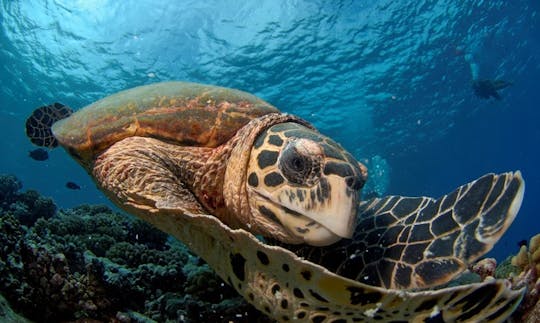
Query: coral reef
[[8, 315], [529, 257], [92, 264], [485, 268], [9, 187], [528, 263], [521, 271], [506, 270], [27, 206]]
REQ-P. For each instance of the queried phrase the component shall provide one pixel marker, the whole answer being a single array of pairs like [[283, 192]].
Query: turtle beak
[[332, 204]]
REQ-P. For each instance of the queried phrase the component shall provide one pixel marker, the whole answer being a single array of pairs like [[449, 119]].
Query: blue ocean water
[[390, 80]]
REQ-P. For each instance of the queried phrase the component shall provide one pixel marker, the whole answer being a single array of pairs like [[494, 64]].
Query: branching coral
[[529, 258], [8, 315], [9, 186], [27, 206], [485, 268], [528, 261]]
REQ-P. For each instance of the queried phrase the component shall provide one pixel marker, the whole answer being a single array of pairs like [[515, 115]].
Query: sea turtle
[[273, 206]]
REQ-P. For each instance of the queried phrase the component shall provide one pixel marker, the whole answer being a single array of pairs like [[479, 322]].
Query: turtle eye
[[299, 167], [297, 163]]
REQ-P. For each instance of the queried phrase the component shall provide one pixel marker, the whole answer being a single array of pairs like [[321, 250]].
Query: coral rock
[[528, 261], [485, 268]]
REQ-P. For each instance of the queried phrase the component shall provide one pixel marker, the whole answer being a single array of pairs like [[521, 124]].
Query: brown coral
[[528, 260], [521, 260], [535, 251], [485, 268]]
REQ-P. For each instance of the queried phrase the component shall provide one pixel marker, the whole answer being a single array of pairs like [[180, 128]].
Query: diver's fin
[[420, 242], [500, 84], [38, 125]]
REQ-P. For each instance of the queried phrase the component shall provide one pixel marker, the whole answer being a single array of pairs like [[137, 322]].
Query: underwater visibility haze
[[403, 86]]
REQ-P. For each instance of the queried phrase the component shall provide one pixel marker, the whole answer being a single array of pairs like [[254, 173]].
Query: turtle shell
[[187, 114]]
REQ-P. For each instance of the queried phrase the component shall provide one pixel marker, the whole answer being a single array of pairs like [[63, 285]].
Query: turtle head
[[304, 185]]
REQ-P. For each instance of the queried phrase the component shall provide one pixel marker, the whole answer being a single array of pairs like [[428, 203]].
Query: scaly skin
[[144, 176], [148, 175]]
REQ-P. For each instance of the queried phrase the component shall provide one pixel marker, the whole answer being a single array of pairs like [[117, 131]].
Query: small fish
[[39, 154], [522, 243], [73, 186]]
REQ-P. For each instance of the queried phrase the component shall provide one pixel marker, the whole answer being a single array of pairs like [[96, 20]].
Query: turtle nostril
[[355, 183]]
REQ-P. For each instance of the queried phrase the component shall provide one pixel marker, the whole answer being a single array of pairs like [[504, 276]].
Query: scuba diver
[[488, 88]]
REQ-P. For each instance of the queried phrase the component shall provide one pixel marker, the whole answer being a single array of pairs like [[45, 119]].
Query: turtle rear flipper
[[421, 242], [38, 125]]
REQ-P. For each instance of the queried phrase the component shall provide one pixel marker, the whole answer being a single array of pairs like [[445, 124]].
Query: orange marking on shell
[[88, 140], [133, 128], [161, 100], [176, 112]]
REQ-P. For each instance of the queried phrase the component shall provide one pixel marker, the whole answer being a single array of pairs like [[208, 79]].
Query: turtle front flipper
[[420, 242], [136, 174], [289, 288]]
